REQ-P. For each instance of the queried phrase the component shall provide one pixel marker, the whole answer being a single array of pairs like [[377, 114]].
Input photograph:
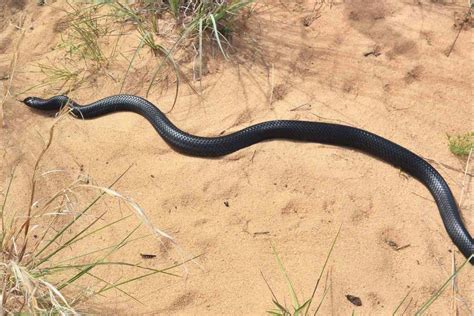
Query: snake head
[[52, 104], [29, 101], [34, 102]]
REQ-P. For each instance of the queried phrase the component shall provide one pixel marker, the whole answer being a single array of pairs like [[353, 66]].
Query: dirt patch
[[279, 92], [401, 48], [16, 5], [5, 44], [414, 74], [371, 18], [61, 25], [9, 8], [182, 301]]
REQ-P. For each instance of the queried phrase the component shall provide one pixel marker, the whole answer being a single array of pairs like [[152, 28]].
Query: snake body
[[305, 131]]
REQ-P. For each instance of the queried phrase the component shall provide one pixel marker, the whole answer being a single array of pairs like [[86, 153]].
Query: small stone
[[354, 300]]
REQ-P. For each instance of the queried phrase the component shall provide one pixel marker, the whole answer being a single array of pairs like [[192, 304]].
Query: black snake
[[305, 131]]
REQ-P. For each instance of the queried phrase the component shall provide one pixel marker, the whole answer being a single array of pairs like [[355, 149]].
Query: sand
[[377, 65]]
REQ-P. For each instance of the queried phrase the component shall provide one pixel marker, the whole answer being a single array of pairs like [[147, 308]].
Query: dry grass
[[12, 70], [36, 276], [169, 29]]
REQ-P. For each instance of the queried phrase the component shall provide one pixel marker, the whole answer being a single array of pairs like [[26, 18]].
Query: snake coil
[[305, 131]]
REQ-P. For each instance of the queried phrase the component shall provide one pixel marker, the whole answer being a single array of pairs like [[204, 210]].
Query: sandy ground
[[377, 65]]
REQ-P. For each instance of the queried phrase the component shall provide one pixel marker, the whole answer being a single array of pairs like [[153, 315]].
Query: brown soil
[[377, 65]]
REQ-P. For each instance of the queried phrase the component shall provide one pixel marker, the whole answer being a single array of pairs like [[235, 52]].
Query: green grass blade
[[169, 54], [283, 309], [324, 267], [100, 229], [302, 307], [117, 288], [61, 232], [440, 291], [145, 275], [320, 302], [291, 288], [49, 270], [174, 6], [101, 249], [217, 35], [401, 303], [90, 266], [69, 242], [135, 54]]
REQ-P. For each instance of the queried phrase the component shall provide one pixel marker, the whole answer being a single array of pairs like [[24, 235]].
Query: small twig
[[253, 155], [408, 305], [302, 107], [461, 27], [26, 224], [421, 196], [402, 247], [454, 42], [147, 256]]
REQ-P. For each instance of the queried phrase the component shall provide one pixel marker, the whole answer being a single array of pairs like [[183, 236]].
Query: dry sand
[[294, 195]]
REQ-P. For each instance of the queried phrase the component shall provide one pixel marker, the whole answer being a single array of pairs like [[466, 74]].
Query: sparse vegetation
[[60, 77], [35, 277], [198, 23], [84, 33], [298, 307], [461, 145], [193, 18], [36, 274], [426, 305], [167, 28]]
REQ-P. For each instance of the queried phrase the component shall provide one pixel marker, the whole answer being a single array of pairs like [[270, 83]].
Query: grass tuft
[[299, 307], [82, 38], [443, 287], [38, 274], [461, 145], [199, 22]]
